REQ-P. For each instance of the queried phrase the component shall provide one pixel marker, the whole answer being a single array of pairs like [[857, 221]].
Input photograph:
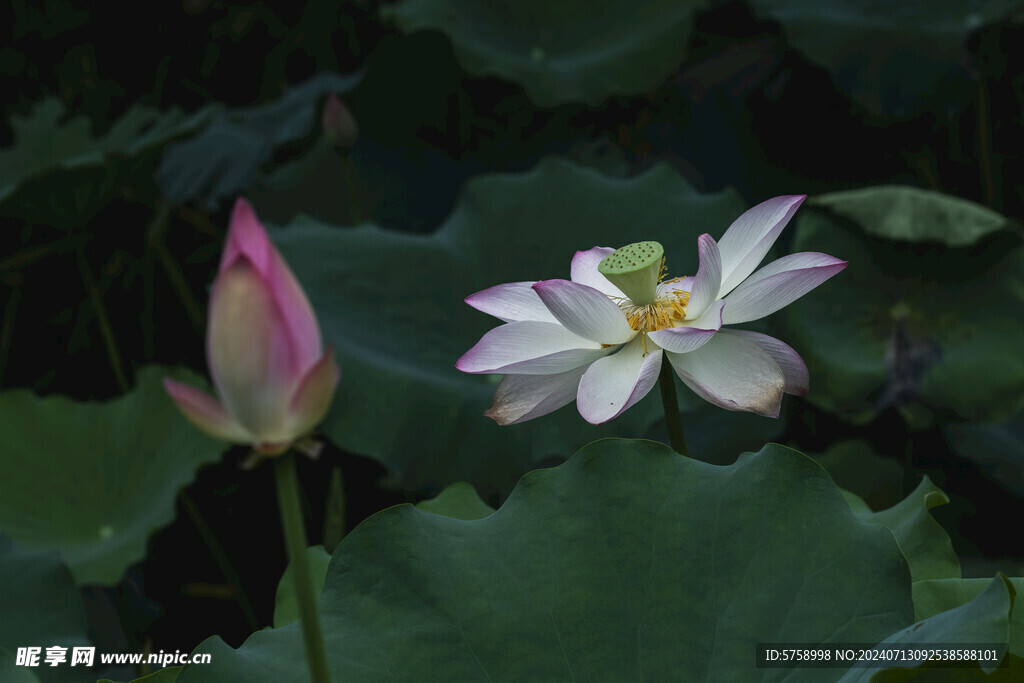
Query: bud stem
[[295, 539]]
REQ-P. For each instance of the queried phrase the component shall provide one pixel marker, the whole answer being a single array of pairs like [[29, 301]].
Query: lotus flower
[[601, 337], [272, 376]]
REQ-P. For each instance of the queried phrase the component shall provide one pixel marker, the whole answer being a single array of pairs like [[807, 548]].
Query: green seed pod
[[635, 269]]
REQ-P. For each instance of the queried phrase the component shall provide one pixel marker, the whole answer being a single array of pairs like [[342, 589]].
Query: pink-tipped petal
[[733, 373], [614, 383], [585, 311], [794, 370], [529, 348], [511, 302], [523, 397], [300, 320], [247, 239], [206, 413], [249, 351], [693, 334], [313, 396], [584, 271], [708, 280], [779, 284], [750, 237]]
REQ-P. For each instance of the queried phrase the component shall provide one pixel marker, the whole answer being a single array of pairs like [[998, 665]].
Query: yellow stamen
[[667, 311]]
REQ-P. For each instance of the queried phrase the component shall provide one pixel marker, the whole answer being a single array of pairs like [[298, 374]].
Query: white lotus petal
[[734, 373], [614, 383], [585, 311], [750, 237], [779, 284], [511, 302], [530, 348]]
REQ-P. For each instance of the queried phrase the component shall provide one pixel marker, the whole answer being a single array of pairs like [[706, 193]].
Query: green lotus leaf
[[983, 620], [92, 481], [568, 51], [41, 607], [392, 305], [888, 55], [922, 539], [458, 501], [935, 596], [626, 562], [286, 605], [910, 324], [914, 215]]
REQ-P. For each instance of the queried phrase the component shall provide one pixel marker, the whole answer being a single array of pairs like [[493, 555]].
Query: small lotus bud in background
[[340, 128]]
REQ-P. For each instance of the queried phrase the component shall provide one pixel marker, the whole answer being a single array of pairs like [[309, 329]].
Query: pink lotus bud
[[273, 378], [340, 127]]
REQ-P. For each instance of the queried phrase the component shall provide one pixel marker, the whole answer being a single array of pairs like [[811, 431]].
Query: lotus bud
[[273, 379]]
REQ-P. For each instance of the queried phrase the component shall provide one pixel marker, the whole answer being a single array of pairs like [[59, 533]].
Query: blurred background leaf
[[226, 156], [569, 51], [888, 55], [92, 481]]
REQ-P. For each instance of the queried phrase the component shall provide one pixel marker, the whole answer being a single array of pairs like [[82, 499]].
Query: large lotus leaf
[[934, 596], [41, 607], [568, 51], [458, 501], [93, 480], [984, 620], [627, 562], [997, 446], [922, 539], [392, 305], [226, 156], [44, 148], [911, 323], [908, 213], [890, 56]]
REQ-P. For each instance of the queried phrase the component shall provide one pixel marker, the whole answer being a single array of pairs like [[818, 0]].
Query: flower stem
[[295, 538], [673, 420]]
